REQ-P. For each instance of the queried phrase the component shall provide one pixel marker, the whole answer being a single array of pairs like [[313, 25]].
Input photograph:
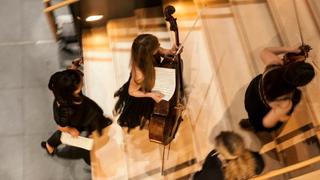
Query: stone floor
[[29, 55]]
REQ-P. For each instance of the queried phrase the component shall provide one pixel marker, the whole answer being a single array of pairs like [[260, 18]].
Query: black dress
[[87, 116], [212, 167], [256, 105], [133, 111]]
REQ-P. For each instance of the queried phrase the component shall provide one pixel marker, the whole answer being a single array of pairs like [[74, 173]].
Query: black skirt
[[132, 111]]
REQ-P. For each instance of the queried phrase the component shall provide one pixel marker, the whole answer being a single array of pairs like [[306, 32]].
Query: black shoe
[[246, 125], [44, 146]]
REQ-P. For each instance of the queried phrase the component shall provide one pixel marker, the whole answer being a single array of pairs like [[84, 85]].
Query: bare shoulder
[[269, 57], [137, 75]]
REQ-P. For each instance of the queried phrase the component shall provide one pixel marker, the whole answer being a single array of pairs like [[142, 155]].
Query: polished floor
[[28, 57], [123, 155]]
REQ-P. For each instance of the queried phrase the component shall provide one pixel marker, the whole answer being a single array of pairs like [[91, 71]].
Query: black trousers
[[68, 152]]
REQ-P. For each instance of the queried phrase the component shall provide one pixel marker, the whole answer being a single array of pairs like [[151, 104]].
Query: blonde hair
[[142, 51], [239, 162]]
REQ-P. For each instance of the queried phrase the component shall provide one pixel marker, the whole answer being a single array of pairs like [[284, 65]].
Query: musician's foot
[[49, 149]]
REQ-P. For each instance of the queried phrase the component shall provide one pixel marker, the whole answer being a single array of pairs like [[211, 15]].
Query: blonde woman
[[230, 160]]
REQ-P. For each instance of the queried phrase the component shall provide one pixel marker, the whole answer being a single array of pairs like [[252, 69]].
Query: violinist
[[135, 98], [271, 97], [73, 112]]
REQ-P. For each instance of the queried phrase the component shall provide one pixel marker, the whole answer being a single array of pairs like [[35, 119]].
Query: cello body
[[166, 117]]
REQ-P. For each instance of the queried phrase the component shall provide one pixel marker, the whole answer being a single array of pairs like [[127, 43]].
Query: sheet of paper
[[165, 82], [81, 142]]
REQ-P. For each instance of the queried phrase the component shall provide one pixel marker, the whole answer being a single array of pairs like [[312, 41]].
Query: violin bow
[[300, 32], [298, 21]]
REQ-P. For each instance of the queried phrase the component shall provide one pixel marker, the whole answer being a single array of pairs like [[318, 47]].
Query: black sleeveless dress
[[133, 111], [256, 105]]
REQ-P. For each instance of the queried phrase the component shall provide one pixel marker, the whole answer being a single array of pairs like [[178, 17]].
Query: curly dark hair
[[63, 84]]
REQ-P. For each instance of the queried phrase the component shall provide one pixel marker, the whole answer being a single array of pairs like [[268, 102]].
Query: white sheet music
[[81, 142], [165, 82]]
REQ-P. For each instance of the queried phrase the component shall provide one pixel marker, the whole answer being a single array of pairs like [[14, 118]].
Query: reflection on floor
[[143, 159], [122, 155], [138, 158]]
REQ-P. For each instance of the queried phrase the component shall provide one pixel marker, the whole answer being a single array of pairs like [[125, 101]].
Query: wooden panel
[[95, 45], [287, 169], [51, 20], [313, 175]]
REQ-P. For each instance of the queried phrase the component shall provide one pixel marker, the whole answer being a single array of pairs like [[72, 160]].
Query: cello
[[166, 116]]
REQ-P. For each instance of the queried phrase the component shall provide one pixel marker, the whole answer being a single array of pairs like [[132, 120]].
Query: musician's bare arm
[[135, 87], [270, 56], [171, 51]]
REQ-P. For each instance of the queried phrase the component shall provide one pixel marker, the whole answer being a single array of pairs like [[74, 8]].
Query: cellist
[[135, 98]]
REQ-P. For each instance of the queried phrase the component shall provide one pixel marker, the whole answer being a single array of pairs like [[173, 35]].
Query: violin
[[301, 56]]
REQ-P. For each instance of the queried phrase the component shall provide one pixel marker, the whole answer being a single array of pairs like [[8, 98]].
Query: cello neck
[[177, 37]]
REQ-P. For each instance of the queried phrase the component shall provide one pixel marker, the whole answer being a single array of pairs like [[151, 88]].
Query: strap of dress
[[262, 95]]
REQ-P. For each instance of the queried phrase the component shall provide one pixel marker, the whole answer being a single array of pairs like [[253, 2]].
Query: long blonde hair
[[142, 51], [239, 162]]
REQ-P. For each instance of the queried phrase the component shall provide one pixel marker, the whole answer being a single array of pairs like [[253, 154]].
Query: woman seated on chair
[[135, 98], [272, 96], [230, 160]]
